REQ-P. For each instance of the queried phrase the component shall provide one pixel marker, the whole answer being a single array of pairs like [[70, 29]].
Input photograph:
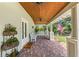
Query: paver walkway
[[44, 48]]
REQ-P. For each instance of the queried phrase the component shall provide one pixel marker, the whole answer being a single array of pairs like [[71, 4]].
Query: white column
[[72, 41], [77, 29], [74, 22], [51, 32], [47, 30]]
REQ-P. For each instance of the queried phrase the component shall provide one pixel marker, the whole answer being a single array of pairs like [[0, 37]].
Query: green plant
[[44, 28], [10, 28], [12, 40], [66, 23], [49, 28], [55, 29], [13, 54], [36, 29], [41, 29]]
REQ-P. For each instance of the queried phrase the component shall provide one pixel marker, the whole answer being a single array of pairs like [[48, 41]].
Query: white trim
[[25, 21], [77, 15], [25, 40], [74, 42], [69, 6]]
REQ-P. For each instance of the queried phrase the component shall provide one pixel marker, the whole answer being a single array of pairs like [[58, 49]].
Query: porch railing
[[33, 35]]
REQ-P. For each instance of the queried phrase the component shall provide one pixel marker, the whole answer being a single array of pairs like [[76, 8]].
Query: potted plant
[[36, 29], [9, 30], [12, 41]]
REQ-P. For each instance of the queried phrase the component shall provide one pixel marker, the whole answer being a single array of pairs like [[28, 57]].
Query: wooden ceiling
[[42, 13]]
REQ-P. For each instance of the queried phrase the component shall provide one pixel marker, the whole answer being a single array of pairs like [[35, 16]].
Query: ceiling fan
[[38, 2]]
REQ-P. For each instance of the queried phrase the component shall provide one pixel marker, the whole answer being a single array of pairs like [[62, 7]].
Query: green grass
[[61, 38]]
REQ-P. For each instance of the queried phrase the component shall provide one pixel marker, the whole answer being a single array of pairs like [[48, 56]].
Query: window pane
[[25, 29], [22, 30]]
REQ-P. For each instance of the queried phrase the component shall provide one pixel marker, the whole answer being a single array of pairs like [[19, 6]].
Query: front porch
[[44, 48], [31, 27]]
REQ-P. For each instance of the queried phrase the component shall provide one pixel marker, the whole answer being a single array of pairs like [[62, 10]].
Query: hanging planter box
[[9, 44], [9, 39], [9, 33]]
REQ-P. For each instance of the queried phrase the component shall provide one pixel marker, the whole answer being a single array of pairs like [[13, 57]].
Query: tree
[[66, 23]]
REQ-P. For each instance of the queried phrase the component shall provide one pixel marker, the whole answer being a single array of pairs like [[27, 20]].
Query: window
[[24, 30]]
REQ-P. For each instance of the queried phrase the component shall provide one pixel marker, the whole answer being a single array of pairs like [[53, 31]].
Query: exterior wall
[[13, 13]]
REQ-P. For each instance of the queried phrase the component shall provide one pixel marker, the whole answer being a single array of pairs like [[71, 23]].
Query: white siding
[[13, 13]]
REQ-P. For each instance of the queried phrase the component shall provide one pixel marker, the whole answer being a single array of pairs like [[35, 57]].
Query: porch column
[[51, 32], [77, 29], [72, 41], [47, 30], [74, 22]]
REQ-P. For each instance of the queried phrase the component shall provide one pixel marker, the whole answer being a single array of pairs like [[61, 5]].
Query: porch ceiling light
[[39, 19]]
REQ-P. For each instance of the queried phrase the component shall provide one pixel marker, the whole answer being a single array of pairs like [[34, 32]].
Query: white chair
[[33, 37]]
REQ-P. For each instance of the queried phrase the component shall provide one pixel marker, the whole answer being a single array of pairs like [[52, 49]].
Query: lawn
[[61, 40]]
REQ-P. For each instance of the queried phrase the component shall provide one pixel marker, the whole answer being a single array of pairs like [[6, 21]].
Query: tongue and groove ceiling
[[43, 12]]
